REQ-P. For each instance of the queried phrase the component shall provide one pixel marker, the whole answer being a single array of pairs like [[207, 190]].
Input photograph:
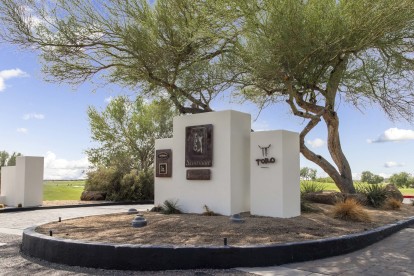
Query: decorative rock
[[93, 195], [236, 218], [139, 221], [132, 211], [324, 198], [393, 192]]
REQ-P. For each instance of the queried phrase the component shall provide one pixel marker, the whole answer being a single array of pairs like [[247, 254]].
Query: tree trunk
[[343, 175], [343, 179]]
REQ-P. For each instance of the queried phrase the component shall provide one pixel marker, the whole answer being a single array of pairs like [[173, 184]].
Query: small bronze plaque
[[163, 163], [201, 174], [199, 146]]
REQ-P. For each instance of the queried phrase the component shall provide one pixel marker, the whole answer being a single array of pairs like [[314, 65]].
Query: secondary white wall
[[23, 183], [275, 187], [9, 191], [227, 192]]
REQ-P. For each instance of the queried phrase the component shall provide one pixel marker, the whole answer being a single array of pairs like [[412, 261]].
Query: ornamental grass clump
[[392, 204], [311, 187], [376, 194], [170, 207], [350, 210], [208, 212]]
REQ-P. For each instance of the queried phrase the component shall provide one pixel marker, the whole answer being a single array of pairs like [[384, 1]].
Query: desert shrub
[[1, 206], [170, 207], [392, 204], [208, 212], [157, 208], [306, 207], [376, 194], [350, 210], [103, 179], [120, 187], [19, 205], [311, 187]]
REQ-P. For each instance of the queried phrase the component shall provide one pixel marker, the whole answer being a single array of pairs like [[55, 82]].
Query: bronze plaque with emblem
[[199, 146], [163, 163], [199, 174]]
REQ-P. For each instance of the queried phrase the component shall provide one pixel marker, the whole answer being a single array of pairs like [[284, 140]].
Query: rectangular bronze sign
[[199, 146], [163, 163], [199, 174]]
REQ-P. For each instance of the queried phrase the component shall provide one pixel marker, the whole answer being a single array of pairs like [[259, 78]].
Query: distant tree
[[308, 173], [402, 180], [371, 178], [4, 156], [126, 131], [12, 159]]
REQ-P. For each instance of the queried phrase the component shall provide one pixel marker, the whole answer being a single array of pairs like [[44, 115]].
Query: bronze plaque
[[199, 146], [199, 174], [163, 163]]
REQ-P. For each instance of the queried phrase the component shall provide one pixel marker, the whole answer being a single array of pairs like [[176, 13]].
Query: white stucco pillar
[[274, 174]]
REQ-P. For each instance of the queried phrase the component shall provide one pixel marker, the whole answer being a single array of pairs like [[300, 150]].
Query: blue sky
[[48, 119]]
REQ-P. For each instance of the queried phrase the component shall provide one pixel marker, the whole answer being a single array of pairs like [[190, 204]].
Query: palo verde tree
[[310, 54], [170, 48], [125, 133], [315, 54]]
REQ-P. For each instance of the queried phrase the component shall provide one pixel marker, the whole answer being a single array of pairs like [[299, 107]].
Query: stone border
[[106, 203], [149, 257]]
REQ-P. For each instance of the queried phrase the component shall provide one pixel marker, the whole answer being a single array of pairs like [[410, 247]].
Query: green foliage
[[308, 173], [63, 190], [126, 132], [311, 187], [375, 193], [325, 180], [120, 187], [171, 207], [370, 178], [402, 180]]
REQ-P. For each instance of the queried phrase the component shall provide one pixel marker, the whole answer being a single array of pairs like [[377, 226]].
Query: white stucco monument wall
[[23, 183], [227, 191], [274, 176]]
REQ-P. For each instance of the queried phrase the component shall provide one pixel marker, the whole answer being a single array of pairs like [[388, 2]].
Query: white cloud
[[58, 169], [392, 164], [356, 176], [22, 130], [8, 74], [316, 143], [394, 135], [385, 175], [109, 99], [36, 116]]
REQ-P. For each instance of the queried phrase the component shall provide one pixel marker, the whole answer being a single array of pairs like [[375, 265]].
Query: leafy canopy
[[126, 131]]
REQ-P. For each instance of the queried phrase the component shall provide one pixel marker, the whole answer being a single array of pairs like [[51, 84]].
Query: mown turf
[[63, 190], [333, 187]]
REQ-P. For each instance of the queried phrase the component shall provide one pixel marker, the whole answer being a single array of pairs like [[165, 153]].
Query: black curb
[[149, 257], [22, 209]]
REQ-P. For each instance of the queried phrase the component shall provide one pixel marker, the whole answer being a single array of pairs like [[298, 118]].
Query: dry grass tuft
[[392, 204], [350, 210], [1, 206]]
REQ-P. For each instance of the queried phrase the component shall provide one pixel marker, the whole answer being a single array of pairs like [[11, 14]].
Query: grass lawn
[[63, 190], [333, 187]]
